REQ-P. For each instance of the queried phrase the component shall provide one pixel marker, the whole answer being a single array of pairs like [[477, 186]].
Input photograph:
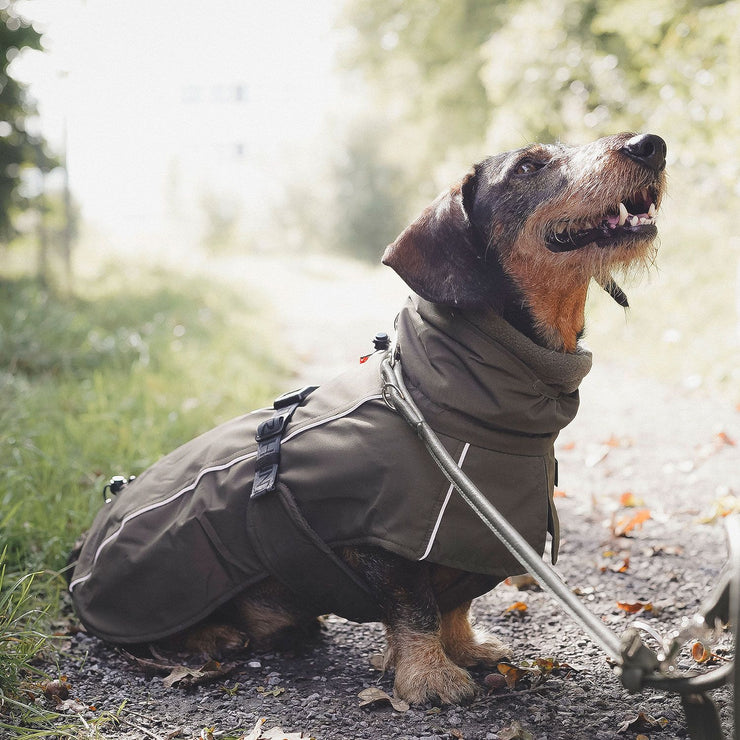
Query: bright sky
[[153, 92]]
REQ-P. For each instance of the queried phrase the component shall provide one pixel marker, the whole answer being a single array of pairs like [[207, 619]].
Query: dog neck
[[551, 316]]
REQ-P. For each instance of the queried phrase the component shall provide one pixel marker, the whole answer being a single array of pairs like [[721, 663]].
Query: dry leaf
[[568, 446], [635, 606], [70, 705], [518, 608], [624, 526], [642, 722], [185, 677], [724, 439], [256, 730], [511, 673], [629, 500], [722, 507], [375, 695], [57, 689], [559, 493]]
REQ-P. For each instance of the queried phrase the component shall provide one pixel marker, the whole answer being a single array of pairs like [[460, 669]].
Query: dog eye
[[528, 166]]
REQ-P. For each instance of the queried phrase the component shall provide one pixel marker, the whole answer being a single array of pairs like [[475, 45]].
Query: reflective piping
[[205, 471], [444, 505]]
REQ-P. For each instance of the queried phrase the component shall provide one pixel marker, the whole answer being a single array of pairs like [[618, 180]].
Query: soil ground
[[678, 454]]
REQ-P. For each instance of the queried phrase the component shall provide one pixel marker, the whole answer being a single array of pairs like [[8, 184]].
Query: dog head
[[535, 225]]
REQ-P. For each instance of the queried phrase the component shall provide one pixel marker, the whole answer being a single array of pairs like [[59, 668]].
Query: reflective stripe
[[444, 505], [241, 458]]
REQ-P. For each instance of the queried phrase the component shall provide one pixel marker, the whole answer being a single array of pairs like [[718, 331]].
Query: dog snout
[[647, 149]]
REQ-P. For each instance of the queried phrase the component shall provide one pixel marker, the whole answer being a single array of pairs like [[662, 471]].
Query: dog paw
[[439, 684], [486, 651]]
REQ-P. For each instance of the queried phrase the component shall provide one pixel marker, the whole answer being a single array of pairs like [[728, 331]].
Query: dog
[[501, 263]]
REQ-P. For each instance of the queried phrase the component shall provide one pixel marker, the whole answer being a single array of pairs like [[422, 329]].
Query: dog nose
[[648, 149]]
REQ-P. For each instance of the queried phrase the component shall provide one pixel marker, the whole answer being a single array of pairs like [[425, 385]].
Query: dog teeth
[[651, 211], [623, 213]]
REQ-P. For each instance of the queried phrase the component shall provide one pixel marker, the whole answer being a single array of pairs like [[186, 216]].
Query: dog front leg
[[412, 620], [464, 645]]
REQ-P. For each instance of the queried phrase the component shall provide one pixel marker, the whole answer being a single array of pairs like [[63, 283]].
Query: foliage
[[108, 385], [425, 62], [369, 194], [507, 73], [19, 148], [20, 642]]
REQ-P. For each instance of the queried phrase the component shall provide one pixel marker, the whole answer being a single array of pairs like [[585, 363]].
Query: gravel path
[[672, 452]]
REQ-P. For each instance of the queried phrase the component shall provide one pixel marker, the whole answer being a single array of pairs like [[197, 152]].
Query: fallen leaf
[[559, 493], [256, 730], [515, 673], [57, 689], [375, 695], [185, 676], [635, 606], [277, 691], [572, 445], [722, 507], [629, 500], [548, 665], [641, 722], [70, 705], [621, 567], [518, 608], [724, 439], [624, 526], [515, 732]]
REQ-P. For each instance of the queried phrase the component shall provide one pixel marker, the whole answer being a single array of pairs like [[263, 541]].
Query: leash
[[637, 665]]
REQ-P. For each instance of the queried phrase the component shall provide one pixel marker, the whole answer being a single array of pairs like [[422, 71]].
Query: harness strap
[[270, 435], [297, 557]]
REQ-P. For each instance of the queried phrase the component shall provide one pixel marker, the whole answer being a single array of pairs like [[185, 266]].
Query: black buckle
[[294, 397], [269, 436]]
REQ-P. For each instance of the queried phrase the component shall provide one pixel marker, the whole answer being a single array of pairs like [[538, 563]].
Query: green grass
[[100, 386]]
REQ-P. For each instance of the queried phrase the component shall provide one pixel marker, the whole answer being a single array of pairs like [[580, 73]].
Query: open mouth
[[632, 218]]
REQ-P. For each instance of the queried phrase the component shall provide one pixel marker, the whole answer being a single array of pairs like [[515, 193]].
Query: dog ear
[[440, 255]]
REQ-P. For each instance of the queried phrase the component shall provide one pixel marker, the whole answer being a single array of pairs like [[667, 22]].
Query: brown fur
[[485, 245]]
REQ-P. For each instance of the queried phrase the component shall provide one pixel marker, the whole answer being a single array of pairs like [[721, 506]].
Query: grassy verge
[[101, 386]]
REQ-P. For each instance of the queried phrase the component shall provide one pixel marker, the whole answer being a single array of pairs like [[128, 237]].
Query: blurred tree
[[424, 61], [452, 74], [20, 149], [369, 197]]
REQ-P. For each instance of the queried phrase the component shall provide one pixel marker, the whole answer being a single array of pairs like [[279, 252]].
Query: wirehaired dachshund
[[520, 237]]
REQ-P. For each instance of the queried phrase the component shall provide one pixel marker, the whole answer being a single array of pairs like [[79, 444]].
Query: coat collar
[[478, 379]]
